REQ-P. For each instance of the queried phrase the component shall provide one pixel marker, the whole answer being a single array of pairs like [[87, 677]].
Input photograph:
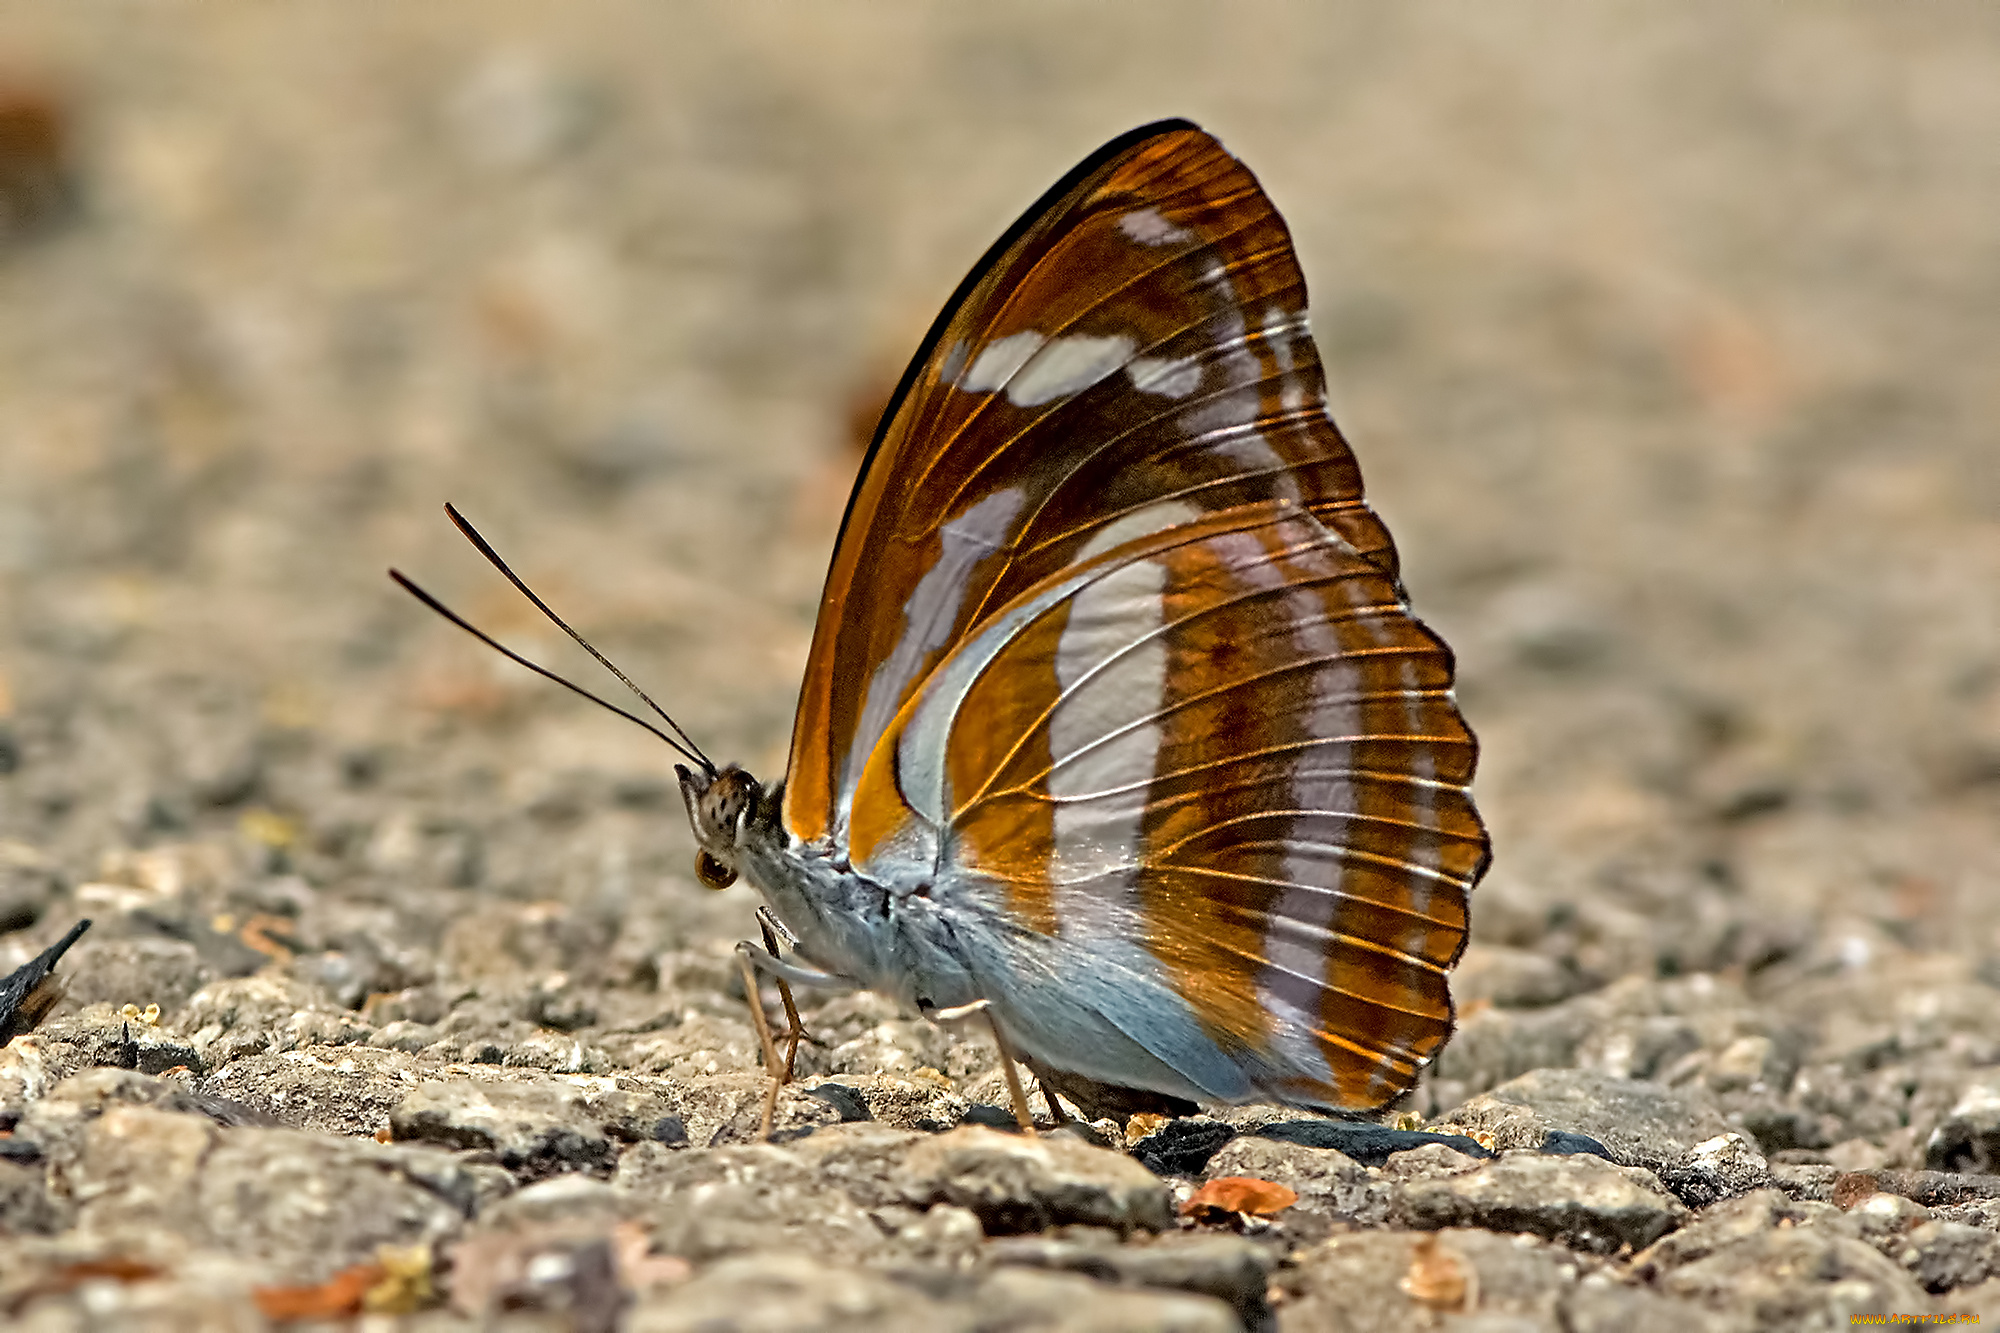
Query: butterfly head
[[720, 806]]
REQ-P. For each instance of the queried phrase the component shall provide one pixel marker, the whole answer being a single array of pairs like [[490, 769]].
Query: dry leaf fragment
[[1437, 1277], [337, 1297], [1240, 1194], [268, 935], [1852, 1187], [114, 1268], [638, 1267]]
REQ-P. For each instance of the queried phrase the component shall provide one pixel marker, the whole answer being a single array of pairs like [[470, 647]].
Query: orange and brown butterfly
[[1116, 718], [1116, 722]]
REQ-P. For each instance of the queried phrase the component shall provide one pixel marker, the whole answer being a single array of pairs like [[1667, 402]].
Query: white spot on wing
[[1112, 669], [954, 361], [999, 360], [1067, 365], [1168, 377], [1139, 523], [1221, 415], [1281, 327], [928, 618], [1148, 226]]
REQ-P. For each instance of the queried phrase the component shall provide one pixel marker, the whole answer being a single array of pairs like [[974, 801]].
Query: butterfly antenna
[[686, 751], [485, 548]]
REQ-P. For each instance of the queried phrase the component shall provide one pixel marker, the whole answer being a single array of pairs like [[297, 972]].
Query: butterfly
[[1116, 722], [1115, 716]]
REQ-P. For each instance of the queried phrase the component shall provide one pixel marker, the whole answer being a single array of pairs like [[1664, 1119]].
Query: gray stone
[[137, 1167], [1431, 1161], [102, 1036], [861, 1159], [534, 1125], [1334, 1190], [796, 1114], [1639, 1046], [1784, 1263], [403, 1035], [310, 1205], [1798, 1277], [55, 1129], [425, 1005], [1933, 1189], [558, 1200], [31, 1065], [1946, 1255], [1581, 1202], [306, 1205], [265, 1012], [782, 1291], [1631, 1117], [56, 1126], [706, 1203], [1968, 1139], [1020, 1298], [1884, 1219], [348, 1090], [1675, 1133], [941, 1238], [1018, 1184], [26, 1207], [1733, 1220], [728, 1107], [569, 1274], [1779, 1128], [1982, 1213], [1601, 1304], [1392, 1281], [556, 1001], [1229, 1268], [1718, 1168], [924, 1103], [142, 971]]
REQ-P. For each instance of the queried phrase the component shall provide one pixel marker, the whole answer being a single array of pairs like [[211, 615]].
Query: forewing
[[1137, 340], [1229, 738]]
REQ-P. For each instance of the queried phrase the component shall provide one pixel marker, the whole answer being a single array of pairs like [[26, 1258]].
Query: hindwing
[[1230, 741]]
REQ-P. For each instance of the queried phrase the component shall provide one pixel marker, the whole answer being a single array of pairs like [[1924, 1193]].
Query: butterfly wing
[[1113, 648], [1228, 743], [1139, 334]]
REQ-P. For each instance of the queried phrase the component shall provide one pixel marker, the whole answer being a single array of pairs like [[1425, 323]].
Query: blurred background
[[1666, 336]]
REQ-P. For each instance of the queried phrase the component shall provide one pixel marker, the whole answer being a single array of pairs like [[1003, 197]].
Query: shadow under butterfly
[[1116, 725]]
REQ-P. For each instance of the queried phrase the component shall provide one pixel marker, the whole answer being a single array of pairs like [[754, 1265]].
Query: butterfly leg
[[1022, 1115], [795, 1030], [779, 1074], [752, 962]]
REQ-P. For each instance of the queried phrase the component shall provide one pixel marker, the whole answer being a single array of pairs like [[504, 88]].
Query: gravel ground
[[1666, 337]]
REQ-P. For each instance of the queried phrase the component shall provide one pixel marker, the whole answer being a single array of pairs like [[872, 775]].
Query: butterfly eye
[[712, 872]]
